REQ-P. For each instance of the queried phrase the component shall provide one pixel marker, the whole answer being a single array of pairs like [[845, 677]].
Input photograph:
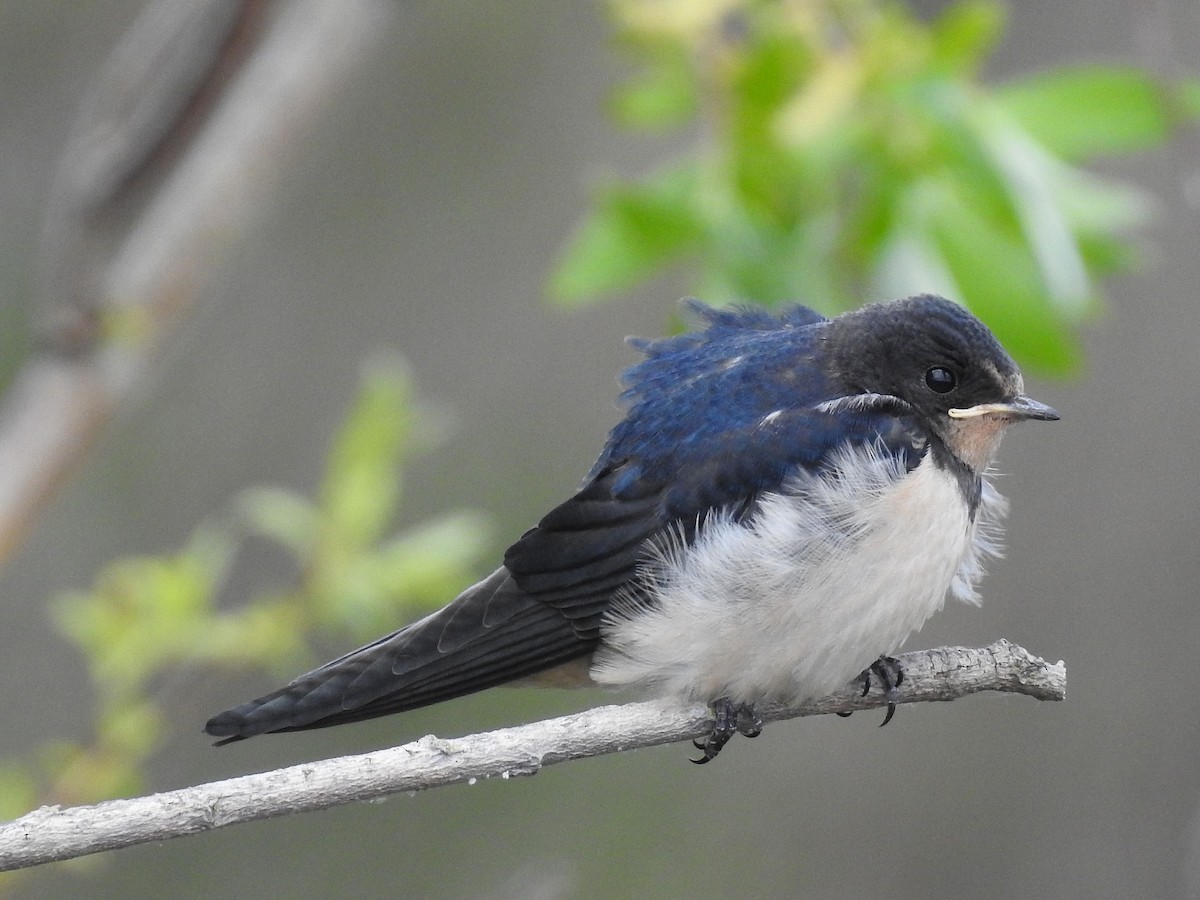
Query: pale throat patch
[[975, 441]]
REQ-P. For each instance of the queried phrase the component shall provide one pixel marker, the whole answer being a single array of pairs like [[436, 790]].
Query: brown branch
[[53, 833]]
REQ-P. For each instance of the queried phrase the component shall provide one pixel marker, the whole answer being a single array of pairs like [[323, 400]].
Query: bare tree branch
[[263, 73], [53, 833]]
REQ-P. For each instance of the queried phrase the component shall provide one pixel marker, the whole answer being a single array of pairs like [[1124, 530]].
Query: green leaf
[[424, 562], [268, 633], [966, 32], [999, 279], [775, 66], [1096, 206], [753, 261], [633, 231], [1088, 110], [1107, 255], [910, 263], [111, 766], [1030, 177], [362, 482], [661, 98], [283, 516], [132, 729], [141, 616], [366, 593]]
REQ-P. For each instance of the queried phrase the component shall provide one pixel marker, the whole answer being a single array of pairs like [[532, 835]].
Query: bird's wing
[[545, 605]]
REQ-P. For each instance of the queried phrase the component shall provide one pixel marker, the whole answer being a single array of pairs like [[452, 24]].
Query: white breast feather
[[828, 575]]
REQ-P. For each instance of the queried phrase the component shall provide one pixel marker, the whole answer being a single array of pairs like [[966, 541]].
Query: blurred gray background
[[423, 215]]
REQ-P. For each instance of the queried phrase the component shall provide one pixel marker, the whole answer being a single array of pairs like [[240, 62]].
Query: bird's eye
[[941, 380]]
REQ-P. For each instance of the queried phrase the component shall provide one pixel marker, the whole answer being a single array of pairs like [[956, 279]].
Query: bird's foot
[[730, 719], [891, 675]]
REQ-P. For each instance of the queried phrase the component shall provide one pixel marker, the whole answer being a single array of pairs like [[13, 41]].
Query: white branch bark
[[54, 833]]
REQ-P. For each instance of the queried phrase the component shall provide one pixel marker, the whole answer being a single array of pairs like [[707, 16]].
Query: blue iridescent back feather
[[729, 411]]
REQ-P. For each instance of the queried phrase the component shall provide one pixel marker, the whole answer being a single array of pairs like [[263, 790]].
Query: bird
[[787, 498]]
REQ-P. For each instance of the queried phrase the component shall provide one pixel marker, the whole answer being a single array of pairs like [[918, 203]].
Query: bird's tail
[[492, 633]]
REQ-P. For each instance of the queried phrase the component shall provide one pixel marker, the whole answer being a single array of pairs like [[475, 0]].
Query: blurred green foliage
[[846, 150], [148, 619]]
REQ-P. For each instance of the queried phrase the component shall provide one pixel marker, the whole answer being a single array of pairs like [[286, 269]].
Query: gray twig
[[54, 833]]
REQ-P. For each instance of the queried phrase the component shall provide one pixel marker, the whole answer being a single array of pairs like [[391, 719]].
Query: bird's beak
[[1021, 408]]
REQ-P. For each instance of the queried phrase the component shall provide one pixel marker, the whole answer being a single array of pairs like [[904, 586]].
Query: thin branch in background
[[212, 126], [54, 833]]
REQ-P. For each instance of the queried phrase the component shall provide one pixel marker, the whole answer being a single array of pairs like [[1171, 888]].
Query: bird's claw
[[891, 675], [750, 723], [729, 719]]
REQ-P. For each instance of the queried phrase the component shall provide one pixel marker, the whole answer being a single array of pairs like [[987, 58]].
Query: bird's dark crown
[[928, 351]]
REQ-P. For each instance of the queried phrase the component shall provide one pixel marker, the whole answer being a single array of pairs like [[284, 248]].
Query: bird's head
[[940, 360]]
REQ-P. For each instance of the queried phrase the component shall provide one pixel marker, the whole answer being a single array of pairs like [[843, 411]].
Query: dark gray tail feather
[[492, 633]]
